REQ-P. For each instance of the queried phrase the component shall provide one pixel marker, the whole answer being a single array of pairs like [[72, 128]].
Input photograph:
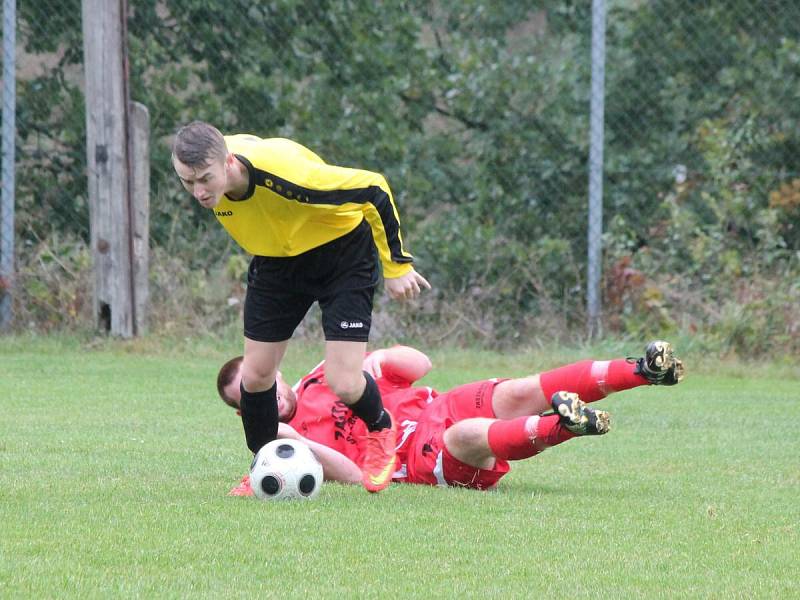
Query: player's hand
[[287, 431], [372, 363], [405, 287]]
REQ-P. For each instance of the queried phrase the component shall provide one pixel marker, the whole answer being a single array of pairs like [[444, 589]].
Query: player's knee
[[460, 438], [348, 388], [523, 394], [518, 395], [256, 378], [467, 441]]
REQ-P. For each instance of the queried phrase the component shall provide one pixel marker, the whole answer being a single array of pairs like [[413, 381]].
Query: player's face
[[207, 184], [287, 399]]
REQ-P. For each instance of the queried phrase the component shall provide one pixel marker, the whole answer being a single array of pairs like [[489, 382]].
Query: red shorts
[[427, 459]]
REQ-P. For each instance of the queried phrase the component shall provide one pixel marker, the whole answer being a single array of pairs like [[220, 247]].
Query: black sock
[[259, 416], [369, 408]]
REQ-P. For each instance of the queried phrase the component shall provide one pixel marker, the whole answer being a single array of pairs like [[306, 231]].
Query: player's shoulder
[[314, 376], [239, 141], [256, 148]]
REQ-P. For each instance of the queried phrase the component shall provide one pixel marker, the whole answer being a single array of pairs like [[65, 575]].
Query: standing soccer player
[[317, 233]]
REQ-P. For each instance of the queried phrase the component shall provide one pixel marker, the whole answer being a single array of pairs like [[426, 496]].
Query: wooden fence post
[[140, 197], [116, 142]]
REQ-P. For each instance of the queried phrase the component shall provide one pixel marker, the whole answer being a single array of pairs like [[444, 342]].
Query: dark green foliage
[[478, 114]]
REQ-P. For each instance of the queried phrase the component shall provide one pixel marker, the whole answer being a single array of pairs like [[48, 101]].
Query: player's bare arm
[[406, 287], [335, 465], [402, 361]]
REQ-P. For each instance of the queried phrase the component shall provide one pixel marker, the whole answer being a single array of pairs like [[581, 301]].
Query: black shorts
[[341, 275]]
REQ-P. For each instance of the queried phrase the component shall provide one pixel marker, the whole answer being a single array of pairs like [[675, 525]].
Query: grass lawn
[[115, 461]]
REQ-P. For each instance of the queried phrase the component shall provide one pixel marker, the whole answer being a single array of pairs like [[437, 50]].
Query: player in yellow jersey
[[317, 233]]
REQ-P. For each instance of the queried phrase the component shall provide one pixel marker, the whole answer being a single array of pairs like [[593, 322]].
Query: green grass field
[[115, 461]]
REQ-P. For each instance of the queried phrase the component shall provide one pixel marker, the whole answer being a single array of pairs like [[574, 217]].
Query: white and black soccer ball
[[285, 469]]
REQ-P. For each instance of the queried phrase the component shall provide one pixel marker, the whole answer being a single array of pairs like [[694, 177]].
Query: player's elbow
[[412, 362], [425, 365]]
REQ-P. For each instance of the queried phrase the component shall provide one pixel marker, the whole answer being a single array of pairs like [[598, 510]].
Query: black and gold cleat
[[578, 418], [659, 364]]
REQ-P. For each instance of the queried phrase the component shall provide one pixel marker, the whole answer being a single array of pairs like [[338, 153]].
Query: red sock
[[549, 432], [591, 379], [514, 439]]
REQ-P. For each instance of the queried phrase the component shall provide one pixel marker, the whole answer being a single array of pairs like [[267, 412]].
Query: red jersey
[[323, 418]]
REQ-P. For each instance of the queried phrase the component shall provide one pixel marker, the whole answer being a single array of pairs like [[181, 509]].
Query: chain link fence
[[8, 104], [701, 156], [477, 113]]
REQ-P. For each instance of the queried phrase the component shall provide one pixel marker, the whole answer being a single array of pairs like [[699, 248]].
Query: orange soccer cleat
[[379, 460], [243, 489]]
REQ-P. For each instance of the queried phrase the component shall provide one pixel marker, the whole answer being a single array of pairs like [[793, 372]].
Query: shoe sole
[[602, 421]]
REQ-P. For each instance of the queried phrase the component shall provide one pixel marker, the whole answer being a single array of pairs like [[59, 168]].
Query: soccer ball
[[285, 469]]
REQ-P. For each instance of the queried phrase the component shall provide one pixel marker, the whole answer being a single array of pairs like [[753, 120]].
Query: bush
[[53, 289]]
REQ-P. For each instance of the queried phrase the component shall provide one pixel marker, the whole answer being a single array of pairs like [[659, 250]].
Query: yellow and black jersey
[[297, 202]]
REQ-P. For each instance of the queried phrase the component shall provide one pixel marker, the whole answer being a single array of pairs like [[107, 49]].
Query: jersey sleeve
[[371, 193]]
